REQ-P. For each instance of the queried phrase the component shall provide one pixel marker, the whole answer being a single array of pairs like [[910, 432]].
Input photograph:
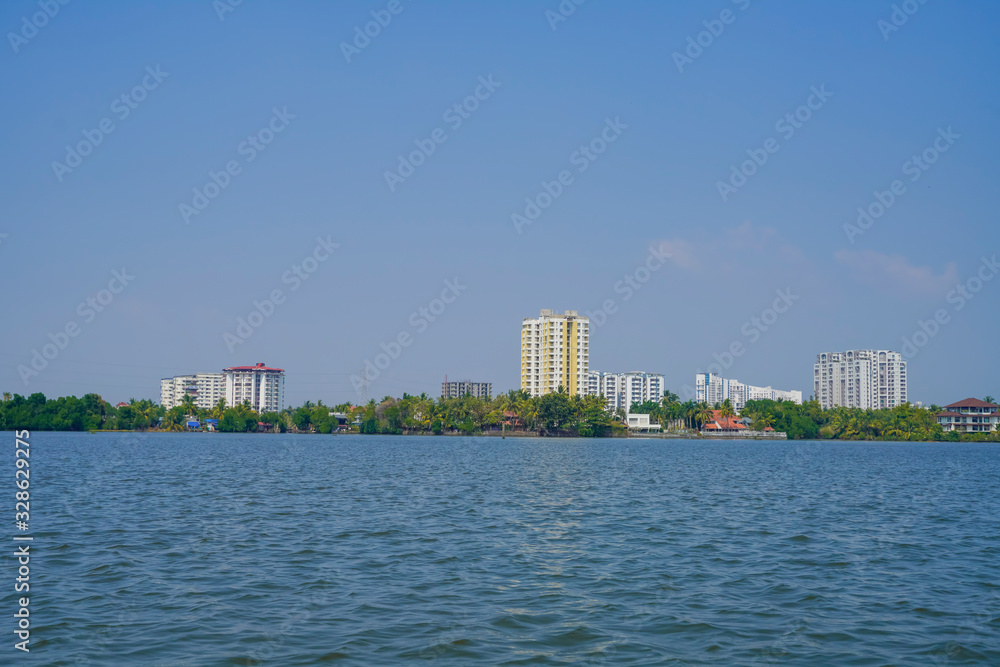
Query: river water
[[217, 549]]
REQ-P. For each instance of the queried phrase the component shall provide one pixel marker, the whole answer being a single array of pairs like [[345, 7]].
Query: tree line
[[516, 412]]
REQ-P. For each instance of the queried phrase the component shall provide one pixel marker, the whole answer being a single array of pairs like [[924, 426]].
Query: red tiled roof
[[972, 403], [724, 423], [258, 367]]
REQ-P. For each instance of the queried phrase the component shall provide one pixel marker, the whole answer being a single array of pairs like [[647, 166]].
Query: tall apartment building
[[263, 387], [621, 390], [867, 379], [205, 388], [466, 388], [713, 389], [555, 351]]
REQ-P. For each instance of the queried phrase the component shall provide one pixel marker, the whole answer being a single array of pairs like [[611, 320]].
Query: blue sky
[[888, 96]]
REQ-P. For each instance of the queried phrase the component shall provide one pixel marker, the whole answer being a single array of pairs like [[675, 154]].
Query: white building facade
[[261, 386], [555, 352], [466, 388], [866, 379], [204, 388], [621, 390], [713, 389]]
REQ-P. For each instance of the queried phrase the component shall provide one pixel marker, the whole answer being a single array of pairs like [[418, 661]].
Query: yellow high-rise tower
[[555, 352]]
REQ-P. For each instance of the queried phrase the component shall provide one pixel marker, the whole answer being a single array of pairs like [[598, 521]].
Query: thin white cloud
[[749, 237], [741, 247], [682, 253], [893, 274]]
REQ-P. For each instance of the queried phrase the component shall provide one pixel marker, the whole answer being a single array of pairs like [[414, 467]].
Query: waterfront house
[[970, 416], [720, 424], [512, 420], [640, 422]]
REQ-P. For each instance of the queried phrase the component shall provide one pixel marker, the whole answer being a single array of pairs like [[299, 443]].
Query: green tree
[[555, 411], [174, 419], [187, 402], [702, 415], [644, 408]]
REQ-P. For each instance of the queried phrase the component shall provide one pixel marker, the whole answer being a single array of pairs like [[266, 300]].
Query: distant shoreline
[[527, 434]]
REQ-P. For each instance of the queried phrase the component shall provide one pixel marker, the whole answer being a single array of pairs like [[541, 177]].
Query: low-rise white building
[[640, 422], [970, 416], [713, 389]]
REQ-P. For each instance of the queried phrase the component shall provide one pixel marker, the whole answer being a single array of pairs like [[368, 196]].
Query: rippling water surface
[[191, 549]]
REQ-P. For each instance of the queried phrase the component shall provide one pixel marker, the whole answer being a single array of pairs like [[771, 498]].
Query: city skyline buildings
[[713, 389], [869, 379], [555, 352]]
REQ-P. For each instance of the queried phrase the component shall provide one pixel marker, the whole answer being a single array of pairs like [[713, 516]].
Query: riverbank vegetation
[[514, 412]]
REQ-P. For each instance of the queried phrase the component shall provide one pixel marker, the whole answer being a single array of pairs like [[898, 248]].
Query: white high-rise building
[[712, 389], [621, 390], [555, 352], [205, 388], [867, 379], [262, 387]]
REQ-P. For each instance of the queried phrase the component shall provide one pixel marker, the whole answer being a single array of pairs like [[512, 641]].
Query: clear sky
[[198, 87]]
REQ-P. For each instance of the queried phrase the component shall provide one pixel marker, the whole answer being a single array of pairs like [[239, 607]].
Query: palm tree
[[529, 413], [703, 414], [6, 396], [691, 409], [149, 413], [988, 399], [219, 409], [507, 403], [189, 405], [727, 409], [173, 419]]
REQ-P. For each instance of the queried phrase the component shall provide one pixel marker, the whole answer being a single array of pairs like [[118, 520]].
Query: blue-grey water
[[212, 549]]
